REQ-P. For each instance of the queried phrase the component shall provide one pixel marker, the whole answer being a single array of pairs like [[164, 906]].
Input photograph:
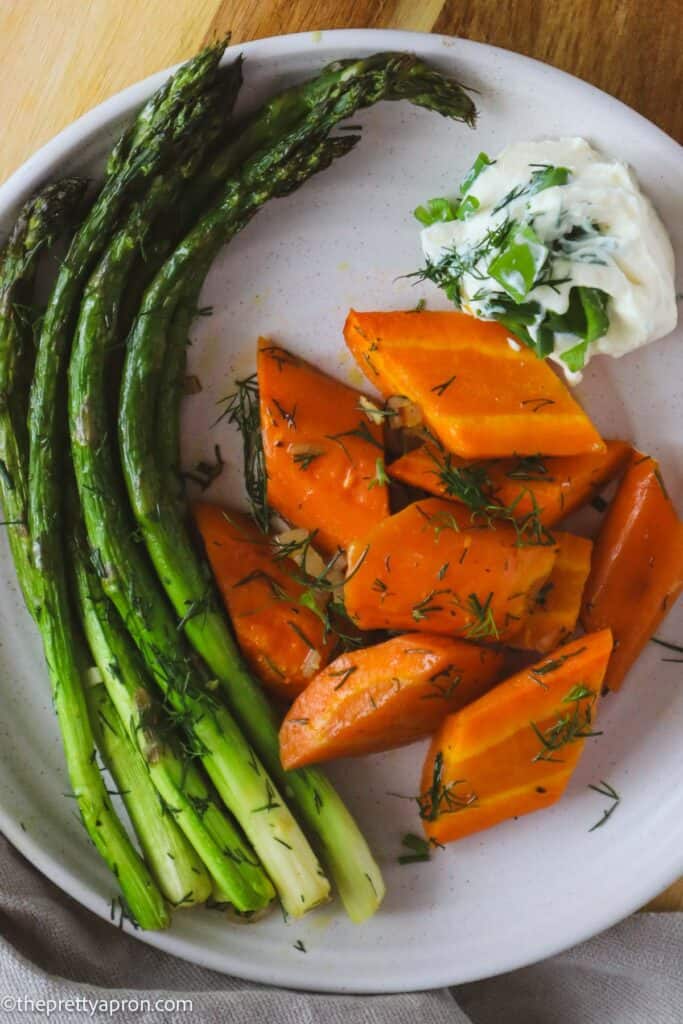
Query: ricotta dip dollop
[[558, 243]]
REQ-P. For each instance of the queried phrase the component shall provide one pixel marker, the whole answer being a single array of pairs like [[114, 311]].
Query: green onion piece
[[467, 207], [594, 302], [547, 177], [475, 170], [518, 265], [572, 321], [595, 321], [439, 210], [575, 358]]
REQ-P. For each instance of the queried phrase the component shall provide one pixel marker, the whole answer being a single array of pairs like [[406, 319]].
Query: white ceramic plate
[[528, 888]]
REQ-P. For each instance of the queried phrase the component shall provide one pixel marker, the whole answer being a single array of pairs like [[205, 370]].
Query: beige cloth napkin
[[52, 949]]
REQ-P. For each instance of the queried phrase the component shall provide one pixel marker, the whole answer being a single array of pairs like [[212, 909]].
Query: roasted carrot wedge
[[556, 485], [384, 696], [514, 750], [324, 458], [422, 569], [480, 396], [555, 611], [637, 568], [281, 639]]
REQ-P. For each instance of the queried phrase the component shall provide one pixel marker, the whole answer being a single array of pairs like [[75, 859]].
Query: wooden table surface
[[58, 58]]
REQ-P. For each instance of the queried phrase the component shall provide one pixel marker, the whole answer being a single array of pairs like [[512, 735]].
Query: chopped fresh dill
[[288, 417], [466, 483], [529, 467], [242, 410], [552, 665], [426, 606], [569, 727], [300, 633], [344, 675], [537, 404], [484, 625], [440, 389], [442, 798], [362, 431], [669, 647], [304, 459], [444, 682], [261, 575], [604, 789]]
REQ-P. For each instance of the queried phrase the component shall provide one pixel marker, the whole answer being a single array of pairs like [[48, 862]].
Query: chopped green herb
[[435, 211], [604, 789], [439, 389], [344, 675], [484, 626], [242, 410], [380, 479], [304, 459], [420, 849], [570, 727], [529, 467], [443, 798], [362, 431]]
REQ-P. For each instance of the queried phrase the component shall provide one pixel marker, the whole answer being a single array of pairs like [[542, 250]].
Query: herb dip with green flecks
[[557, 242]]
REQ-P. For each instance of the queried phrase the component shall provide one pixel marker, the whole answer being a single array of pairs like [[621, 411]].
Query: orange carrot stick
[[557, 484], [385, 696], [480, 396], [324, 457], [282, 640], [423, 569], [513, 751], [555, 612], [637, 569]]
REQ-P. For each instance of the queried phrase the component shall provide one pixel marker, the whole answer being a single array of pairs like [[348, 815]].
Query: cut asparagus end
[[178, 870], [251, 795]]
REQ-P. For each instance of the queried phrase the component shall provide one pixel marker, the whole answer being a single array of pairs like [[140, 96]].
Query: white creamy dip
[[576, 219]]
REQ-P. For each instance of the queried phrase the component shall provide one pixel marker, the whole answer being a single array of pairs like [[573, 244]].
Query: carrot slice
[[282, 640], [423, 569], [384, 697], [480, 396], [513, 751], [555, 612], [324, 458], [558, 485], [637, 570]]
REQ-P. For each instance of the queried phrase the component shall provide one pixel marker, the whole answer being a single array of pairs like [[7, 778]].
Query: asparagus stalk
[[179, 795], [390, 76], [183, 793], [179, 872], [182, 102], [39, 221], [152, 379], [46, 428], [231, 763], [172, 98]]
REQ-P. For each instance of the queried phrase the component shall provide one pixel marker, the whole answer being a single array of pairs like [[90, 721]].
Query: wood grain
[[59, 58]]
